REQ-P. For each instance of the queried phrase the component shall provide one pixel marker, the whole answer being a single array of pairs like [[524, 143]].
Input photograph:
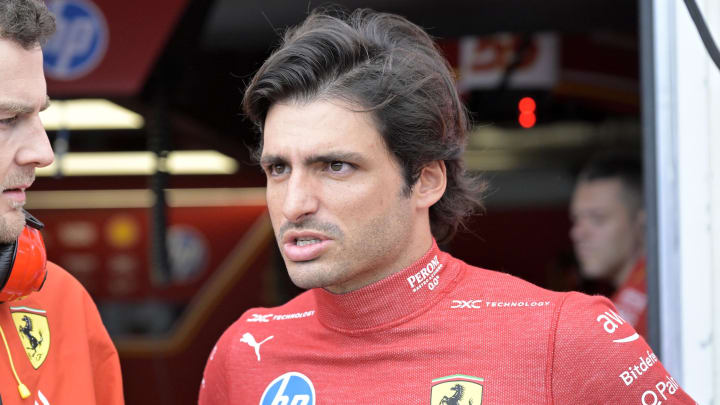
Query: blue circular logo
[[187, 251], [80, 41], [290, 388]]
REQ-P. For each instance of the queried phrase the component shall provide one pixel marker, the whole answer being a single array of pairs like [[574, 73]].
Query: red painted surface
[[220, 227], [138, 31]]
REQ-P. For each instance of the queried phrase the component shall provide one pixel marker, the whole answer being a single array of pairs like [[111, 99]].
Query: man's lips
[[302, 246], [16, 194]]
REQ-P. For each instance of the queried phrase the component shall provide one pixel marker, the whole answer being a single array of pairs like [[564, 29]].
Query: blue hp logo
[[289, 389], [80, 41], [188, 252]]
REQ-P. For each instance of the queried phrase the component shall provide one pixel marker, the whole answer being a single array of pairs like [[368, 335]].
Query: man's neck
[[622, 275], [412, 252]]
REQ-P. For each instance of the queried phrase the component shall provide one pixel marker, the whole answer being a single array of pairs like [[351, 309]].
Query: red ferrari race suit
[[58, 347], [439, 332], [631, 298]]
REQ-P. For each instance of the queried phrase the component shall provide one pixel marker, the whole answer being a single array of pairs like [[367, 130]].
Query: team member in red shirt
[[55, 349], [608, 231], [362, 141]]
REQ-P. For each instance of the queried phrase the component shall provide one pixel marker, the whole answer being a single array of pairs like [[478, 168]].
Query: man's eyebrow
[[335, 157], [329, 157], [14, 107], [268, 160]]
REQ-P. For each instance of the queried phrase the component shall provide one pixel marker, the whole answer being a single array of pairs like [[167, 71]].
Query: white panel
[[667, 185], [688, 163], [711, 10], [695, 181]]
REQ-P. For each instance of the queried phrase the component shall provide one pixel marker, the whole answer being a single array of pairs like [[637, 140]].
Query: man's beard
[[13, 221], [11, 224]]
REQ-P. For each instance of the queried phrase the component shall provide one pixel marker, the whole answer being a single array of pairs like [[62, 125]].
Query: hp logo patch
[[289, 389], [80, 42], [188, 253]]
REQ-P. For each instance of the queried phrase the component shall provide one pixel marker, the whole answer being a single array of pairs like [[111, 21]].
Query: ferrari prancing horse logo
[[34, 333], [457, 389]]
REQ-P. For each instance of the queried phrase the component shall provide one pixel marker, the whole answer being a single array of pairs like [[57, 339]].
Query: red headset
[[23, 263]]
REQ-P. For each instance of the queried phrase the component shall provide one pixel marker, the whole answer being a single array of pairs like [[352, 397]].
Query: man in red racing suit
[[363, 134], [440, 323]]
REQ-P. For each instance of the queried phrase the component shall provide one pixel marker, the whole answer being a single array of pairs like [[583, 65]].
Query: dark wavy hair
[[26, 22], [385, 65]]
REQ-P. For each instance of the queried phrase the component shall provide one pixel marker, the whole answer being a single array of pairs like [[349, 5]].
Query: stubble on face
[[366, 214], [358, 257], [11, 225], [304, 274], [12, 219]]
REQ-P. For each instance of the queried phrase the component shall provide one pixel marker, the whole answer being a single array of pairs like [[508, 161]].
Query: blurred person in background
[[608, 231], [55, 347], [362, 141]]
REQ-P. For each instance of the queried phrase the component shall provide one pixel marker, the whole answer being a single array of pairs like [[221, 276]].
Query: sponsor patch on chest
[[34, 331], [457, 389], [478, 304], [279, 317], [291, 388]]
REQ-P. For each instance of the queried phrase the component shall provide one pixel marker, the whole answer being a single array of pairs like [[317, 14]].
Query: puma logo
[[250, 340]]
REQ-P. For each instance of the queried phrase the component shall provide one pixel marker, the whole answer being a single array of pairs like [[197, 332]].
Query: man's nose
[[301, 198], [35, 149]]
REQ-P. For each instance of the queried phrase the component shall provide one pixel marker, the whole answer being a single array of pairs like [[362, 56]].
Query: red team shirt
[[440, 332], [59, 347]]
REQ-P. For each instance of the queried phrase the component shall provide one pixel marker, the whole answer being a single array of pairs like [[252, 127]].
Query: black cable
[[705, 34]]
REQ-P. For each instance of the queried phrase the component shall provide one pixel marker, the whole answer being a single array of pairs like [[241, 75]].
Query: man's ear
[[431, 184]]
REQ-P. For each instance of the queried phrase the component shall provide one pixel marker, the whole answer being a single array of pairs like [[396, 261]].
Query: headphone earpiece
[[23, 263]]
